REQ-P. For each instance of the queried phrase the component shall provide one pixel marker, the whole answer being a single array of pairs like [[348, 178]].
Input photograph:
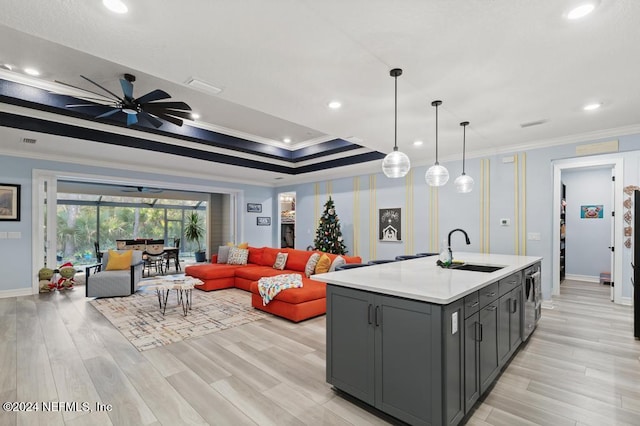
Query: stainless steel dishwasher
[[532, 294]]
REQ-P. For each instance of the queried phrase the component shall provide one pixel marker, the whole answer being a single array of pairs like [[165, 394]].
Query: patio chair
[[96, 247], [103, 283], [153, 256], [174, 254]]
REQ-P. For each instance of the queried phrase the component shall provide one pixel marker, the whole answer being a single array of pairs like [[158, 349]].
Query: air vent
[[29, 140], [203, 86], [533, 123]]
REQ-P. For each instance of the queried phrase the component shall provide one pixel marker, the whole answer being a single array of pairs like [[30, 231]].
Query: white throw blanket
[[269, 287]]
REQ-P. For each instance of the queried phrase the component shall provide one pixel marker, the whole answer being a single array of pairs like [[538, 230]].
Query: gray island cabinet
[[419, 342]]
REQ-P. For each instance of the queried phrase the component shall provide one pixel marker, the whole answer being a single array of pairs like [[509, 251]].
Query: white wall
[[587, 240]]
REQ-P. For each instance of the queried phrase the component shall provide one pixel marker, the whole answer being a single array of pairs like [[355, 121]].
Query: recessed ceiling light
[[32, 71], [286, 140], [195, 116], [417, 143], [591, 107], [116, 6], [335, 104], [581, 11]]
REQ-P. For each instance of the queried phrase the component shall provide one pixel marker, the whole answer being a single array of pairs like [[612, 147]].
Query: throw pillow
[[310, 269], [323, 265], [238, 256], [281, 261], [223, 254], [119, 261], [337, 262], [241, 245]]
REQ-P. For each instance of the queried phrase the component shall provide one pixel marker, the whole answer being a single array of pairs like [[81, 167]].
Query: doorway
[[45, 206], [287, 215], [587, 214]]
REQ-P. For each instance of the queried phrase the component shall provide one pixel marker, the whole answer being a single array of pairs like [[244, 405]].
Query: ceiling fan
[[145, 108], [142, 189]]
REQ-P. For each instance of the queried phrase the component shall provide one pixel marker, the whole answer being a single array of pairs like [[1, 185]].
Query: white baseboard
[[627, 301], [16, 292], [585, 278]]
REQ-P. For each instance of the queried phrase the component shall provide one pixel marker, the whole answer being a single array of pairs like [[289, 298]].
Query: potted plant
[[194, 231]]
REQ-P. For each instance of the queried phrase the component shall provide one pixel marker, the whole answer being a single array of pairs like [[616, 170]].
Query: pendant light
[[437, 175], [464, 183], [396, 164]]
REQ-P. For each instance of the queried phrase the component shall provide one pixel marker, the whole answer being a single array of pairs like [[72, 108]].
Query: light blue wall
[[462, 210], [15, 254], [455, 210], [587, 240]]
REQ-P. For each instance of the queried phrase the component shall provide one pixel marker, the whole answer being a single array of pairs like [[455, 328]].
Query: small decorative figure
[[67, 274], [46, 284]]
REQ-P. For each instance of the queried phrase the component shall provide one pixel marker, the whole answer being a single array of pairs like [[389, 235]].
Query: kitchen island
[[420, 342]]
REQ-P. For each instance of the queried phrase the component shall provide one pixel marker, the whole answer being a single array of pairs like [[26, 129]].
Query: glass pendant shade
[[437, 175], [463, 183], [396, 164]]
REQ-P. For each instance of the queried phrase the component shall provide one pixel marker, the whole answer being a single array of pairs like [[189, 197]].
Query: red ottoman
[[295, 304]]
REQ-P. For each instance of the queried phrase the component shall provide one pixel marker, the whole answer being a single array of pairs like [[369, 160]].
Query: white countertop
[[422, 279]]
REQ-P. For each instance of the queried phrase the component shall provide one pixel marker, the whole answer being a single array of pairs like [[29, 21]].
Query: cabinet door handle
[[480, 331], [493, 293], [514, 306], [369, 313], [377, 314], [474, 304], [492, 307]]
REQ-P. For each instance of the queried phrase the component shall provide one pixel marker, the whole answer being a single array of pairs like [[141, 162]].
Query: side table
[[181, 284]]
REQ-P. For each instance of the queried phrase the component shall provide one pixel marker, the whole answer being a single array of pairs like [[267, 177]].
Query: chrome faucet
[[449, 240]]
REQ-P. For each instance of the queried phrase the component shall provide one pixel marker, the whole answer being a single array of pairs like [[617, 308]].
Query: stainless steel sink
[[476, 268]]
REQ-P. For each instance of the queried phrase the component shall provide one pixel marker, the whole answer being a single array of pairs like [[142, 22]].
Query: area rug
[[139, 319]]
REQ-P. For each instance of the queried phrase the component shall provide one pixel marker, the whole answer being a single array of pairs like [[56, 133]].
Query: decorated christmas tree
[[328, 236]]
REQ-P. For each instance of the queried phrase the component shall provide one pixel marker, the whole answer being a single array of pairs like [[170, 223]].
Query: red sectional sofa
[[295, 304]]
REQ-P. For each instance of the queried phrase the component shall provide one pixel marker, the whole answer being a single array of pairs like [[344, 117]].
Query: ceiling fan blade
[[81, 105], [127, 88], [169, 118], [103, 88], [155, 95], [108, 113], [173, 105], [132, 119], [173, 112], [150, 119], [101, 98]]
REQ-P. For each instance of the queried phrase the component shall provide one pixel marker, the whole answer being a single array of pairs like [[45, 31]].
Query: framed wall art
[[592, 211], [254, 208], [264, 221], [390, 224], [9, 202]]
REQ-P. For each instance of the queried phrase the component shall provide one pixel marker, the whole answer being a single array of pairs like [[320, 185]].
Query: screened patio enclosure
[[89, 213]]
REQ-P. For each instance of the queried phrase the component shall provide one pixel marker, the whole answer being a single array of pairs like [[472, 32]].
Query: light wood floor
[[580, 367]]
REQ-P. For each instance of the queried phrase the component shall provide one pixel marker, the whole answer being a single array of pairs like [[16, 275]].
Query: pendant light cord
[[464, 125], [464, 143], [437, 134], [395, 121]]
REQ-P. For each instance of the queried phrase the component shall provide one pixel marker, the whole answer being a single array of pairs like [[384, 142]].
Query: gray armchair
[[103, 283]]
